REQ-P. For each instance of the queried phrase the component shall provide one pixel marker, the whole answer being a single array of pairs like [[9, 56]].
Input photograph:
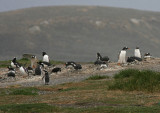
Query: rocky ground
[[70, 75]]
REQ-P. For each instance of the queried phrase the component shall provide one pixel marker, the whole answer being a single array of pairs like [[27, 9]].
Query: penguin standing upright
[[45, 57], [122, 56], [14, 63], [137, 52], [29, 70], [38, 70], [46, 77]]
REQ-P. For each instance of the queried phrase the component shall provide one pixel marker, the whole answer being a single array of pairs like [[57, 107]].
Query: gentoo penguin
[[46, 77], [70, 63], [147, 55], [77, 66], [102, 64], [14, 63], [56, 70], [137, 52], [29, 70], [98, 62], [122, 56], [38, 70], [105, 58], [136, 58], [130, 60], [45, 57], [11, 72], [23, 70], [133, 60]]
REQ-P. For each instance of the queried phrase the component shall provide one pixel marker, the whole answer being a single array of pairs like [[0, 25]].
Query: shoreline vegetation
[[24, 61]]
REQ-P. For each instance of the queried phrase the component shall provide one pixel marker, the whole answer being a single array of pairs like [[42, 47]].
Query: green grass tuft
[[127, 73], [23, 61], [132, 79], [24, 91], [4, 63], [96, 77]]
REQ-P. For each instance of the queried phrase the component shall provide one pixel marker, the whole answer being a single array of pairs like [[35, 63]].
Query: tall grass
[[132, 79]]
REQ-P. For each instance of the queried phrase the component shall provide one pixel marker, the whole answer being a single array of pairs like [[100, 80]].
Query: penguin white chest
[[12, 64], [137, 53], [22, 71], [122, 57], [11, 71], [46, 58]]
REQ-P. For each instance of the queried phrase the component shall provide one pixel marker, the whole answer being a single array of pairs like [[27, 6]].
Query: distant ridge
[[78, 32]]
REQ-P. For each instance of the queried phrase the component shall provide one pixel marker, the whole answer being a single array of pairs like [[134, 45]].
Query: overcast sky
[[151, 5]]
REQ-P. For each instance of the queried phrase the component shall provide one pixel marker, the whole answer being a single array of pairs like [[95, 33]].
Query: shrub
[[131, 79], [126, 73]]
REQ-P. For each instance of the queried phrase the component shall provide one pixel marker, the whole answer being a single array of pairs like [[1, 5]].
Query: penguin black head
[[44, 53], [14, 59], [137, 47], [98, 54], [125, 48]]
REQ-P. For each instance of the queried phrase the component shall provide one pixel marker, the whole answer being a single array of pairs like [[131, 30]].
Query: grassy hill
[[78, 32]]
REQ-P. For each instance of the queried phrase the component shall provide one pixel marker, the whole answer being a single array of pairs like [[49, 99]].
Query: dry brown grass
[[83, 95]]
